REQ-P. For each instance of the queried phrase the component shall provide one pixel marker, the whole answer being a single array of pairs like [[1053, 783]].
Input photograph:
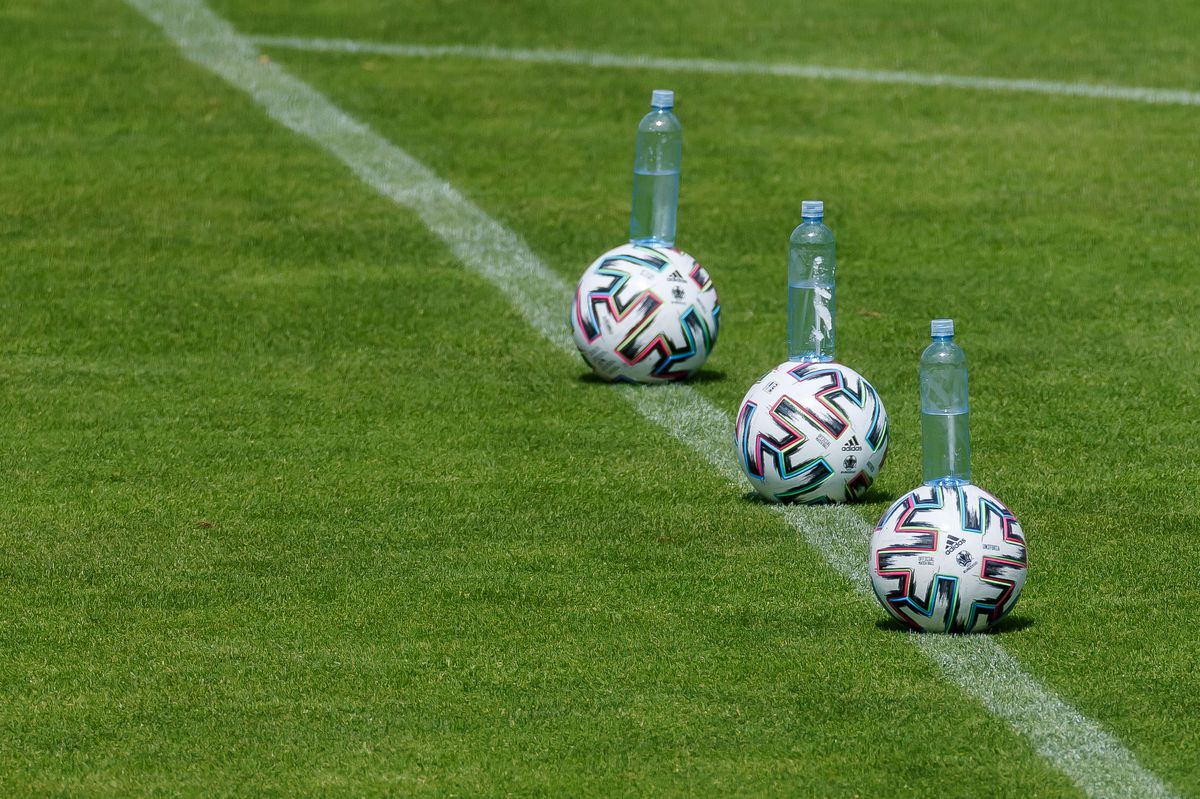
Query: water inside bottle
[[655, 195], [810, 321], [946, 454]]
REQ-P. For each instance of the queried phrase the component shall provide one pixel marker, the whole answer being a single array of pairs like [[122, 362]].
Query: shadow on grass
[[876, 496], [755, 498], [1013, 623], [872, 497], [703, 376]]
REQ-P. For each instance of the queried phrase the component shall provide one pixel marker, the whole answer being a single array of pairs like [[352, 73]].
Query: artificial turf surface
[[294, 504]]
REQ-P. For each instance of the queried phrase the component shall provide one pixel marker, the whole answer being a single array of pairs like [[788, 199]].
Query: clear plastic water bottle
[[945, 432], [811, 264], [656, 173]]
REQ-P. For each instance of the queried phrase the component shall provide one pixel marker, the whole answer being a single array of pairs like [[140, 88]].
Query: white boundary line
[[810, 71], [1095, 760]]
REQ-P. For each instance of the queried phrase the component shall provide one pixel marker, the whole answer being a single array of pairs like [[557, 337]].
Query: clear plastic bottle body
[[656, 169], [812, 260], [945, 429]]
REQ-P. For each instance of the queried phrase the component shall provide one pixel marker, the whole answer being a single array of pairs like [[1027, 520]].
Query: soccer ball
[[812, 433], [645, 314], [948, 559]]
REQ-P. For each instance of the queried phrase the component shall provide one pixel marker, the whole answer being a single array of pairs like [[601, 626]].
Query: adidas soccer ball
[[948, 559], [645, 314], [812, 433]]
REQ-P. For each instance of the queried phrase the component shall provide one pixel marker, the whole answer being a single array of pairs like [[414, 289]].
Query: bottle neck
[[812, 220]]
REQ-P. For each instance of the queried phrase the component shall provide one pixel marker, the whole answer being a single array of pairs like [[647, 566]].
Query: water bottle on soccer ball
[[656, 173], [811, 263], [945, 433]]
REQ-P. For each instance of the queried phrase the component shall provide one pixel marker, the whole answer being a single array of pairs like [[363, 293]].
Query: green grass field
[[295, 504]]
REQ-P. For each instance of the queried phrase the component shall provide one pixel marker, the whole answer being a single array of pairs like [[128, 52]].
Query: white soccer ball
[[812, 433], [948, 559], [645, 314]]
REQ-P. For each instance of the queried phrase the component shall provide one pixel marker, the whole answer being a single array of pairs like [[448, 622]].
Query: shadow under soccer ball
[[645, 314], [1011, 624]]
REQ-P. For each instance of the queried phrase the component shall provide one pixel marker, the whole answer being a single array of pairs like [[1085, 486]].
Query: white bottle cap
[[662, 98], [941, 328], [812, 208]]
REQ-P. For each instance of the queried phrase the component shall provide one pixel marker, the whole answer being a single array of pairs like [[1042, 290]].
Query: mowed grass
[[296, 504]]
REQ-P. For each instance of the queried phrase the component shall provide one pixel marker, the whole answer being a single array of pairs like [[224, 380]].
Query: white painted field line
[[1135, 94], [1096, 761]]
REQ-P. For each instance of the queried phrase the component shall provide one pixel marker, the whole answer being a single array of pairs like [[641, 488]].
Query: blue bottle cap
[[812, 209], [662, 98], [941, 328]]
